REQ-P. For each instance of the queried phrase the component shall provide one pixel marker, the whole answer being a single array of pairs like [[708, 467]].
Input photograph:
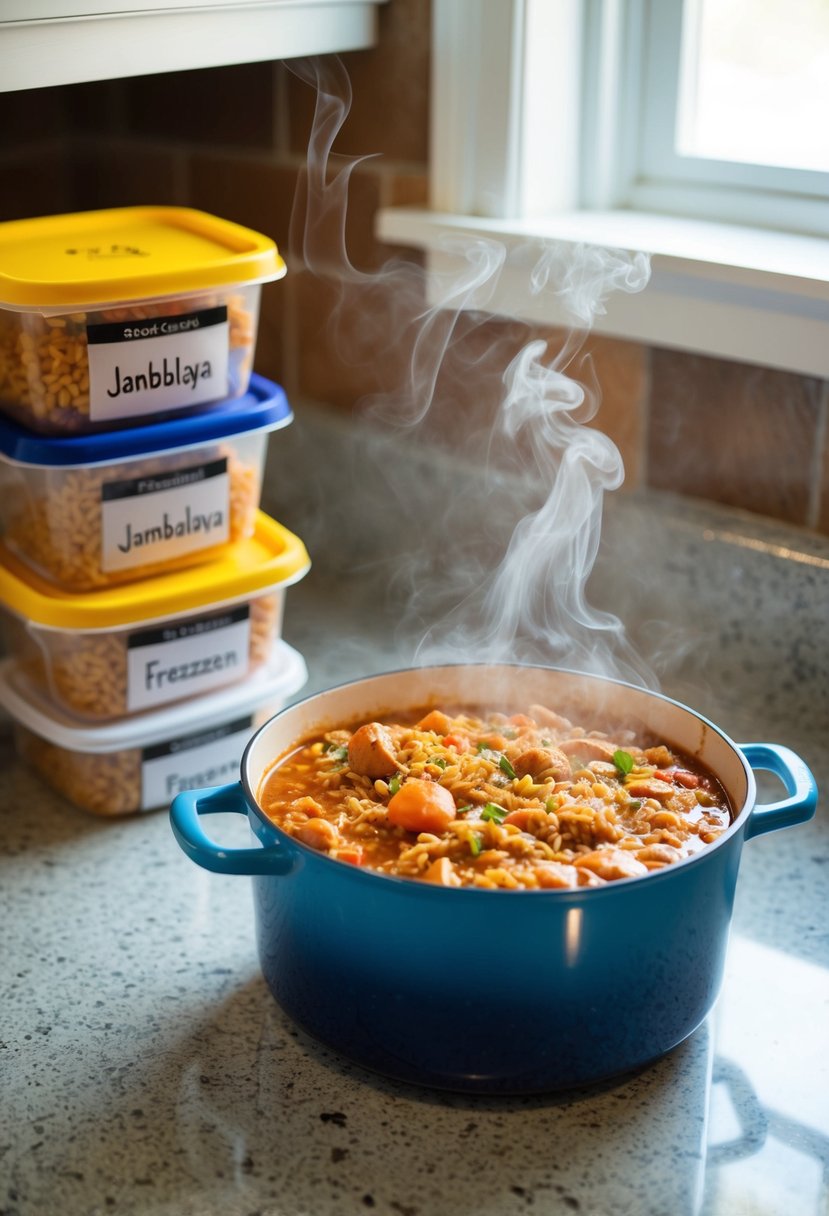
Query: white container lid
[[279, 678]]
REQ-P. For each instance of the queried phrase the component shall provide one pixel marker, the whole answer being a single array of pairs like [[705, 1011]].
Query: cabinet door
[[49, 42]]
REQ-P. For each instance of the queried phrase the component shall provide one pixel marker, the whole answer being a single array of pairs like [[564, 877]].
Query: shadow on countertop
[[196, 1118]]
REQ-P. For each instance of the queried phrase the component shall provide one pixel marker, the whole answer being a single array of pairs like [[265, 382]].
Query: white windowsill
[[748, 294]]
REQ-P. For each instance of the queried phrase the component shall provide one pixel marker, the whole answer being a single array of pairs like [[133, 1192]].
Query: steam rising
[[501, 588]]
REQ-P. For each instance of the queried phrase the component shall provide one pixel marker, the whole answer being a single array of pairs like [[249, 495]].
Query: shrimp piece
[[650, 787], [663, 854], [529, 820], [556, 874], [318, 834]]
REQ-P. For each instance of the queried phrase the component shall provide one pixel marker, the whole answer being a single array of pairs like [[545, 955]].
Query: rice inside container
[[129, 649], [111, 317], [88, 511], [139, 763]]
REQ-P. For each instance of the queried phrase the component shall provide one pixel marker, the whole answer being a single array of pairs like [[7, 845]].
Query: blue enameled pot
[[481, 990]]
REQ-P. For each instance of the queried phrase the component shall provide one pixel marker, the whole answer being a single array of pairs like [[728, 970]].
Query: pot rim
[[567, 894]]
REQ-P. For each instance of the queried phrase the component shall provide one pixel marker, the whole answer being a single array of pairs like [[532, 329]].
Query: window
[[720, 109], [602, 122], [756, 90]]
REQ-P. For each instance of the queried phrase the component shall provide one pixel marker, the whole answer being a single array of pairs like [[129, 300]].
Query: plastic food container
[[127, 649], [139, 763], [88, 511], [111, 317]]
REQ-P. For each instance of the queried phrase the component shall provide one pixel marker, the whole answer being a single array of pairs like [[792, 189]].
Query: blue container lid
[[263, 407]]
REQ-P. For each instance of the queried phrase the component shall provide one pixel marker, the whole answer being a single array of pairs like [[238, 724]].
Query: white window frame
[[747, 293], [650, 175]]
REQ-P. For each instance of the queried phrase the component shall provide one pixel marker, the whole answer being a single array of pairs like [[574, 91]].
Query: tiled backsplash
[[233, 141]]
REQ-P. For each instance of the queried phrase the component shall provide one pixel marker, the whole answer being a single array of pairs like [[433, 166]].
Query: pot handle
[[185, 820], [798, 780]]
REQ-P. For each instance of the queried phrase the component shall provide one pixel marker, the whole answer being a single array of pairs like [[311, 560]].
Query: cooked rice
[[568, 821]]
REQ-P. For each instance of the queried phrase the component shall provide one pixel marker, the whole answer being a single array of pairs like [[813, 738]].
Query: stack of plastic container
[[142, 587]]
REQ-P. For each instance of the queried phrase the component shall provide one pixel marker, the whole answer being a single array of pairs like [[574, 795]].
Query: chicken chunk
[[538, 761], [371, 751], [611, 863], [588, 749], [436, 721], [442, 872], [549, 717], [659, 756], [556, 874]]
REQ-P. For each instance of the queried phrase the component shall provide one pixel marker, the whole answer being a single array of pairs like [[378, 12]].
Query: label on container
[[162, 363], [158, 518], [207, 758], [185, 658]]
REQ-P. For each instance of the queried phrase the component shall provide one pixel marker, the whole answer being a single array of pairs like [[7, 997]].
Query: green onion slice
[[475, 845], [394, 784], [492, 811], [505, 767]]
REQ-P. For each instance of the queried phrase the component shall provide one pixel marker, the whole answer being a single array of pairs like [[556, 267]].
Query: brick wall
[[233, 141]]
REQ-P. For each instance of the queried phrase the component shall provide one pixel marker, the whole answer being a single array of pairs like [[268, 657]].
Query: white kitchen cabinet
[[51, 42]]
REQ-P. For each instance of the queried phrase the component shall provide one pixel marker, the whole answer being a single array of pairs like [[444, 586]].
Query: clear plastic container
[[105, 654], [91, 511], [111, 318], [141, 763]]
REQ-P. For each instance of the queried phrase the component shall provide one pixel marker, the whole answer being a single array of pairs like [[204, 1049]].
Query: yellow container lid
[[127, 253], [273, 557]]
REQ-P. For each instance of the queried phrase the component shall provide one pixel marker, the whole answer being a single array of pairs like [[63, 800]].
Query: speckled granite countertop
[[146, 1069]]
